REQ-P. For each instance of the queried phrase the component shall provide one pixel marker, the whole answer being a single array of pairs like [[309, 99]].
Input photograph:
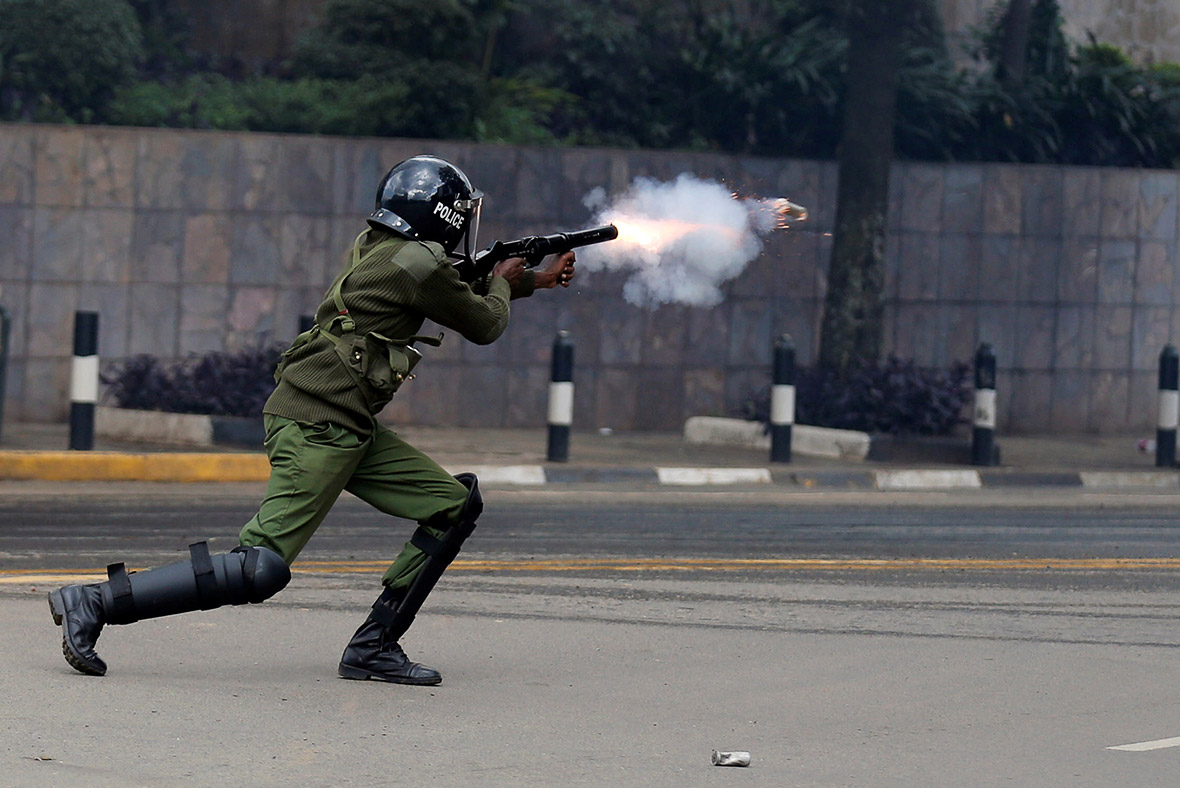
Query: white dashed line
[[1145, 746], [507, 474], [694, 476], [928, 480]]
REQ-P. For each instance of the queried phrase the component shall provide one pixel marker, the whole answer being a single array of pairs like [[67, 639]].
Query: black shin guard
[[204, 582], [439, 555]]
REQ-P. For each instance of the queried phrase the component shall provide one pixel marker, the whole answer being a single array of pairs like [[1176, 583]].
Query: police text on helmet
[[449, 215]]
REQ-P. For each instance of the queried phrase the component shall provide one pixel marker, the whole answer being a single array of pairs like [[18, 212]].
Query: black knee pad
[[243, 575], [473, 506], [264, 573], [440, 552]]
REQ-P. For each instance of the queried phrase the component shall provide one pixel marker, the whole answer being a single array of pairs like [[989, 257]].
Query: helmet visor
[[473, 207]]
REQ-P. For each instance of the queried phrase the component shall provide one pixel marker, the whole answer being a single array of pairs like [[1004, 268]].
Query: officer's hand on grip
[[511, 269], [557, 270]]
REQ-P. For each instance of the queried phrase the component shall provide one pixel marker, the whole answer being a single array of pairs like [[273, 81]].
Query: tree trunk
[[1014, 52], [853, 320]]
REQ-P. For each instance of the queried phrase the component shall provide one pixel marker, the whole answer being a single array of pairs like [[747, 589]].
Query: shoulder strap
[[347, 324], [425, 339], [344, 319]]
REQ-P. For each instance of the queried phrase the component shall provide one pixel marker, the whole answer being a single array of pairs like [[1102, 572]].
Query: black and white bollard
[[782, 400], [983, 436], [84, 381], [5, 333], [561, 398], [1169, 408]]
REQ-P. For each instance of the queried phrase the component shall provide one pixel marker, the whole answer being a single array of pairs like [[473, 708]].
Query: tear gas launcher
[[533, 249]]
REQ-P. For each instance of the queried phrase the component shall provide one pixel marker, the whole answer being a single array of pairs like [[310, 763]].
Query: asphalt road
[[149, 523], [604, 638]]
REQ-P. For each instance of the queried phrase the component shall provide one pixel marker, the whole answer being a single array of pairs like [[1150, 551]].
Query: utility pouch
[[299, 342], [380, 365]]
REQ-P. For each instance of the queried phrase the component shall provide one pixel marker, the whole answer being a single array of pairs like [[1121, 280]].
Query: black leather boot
[[78, 611], [374, 654]]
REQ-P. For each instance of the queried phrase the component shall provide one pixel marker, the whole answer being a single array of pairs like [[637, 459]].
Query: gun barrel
[[563, 242], [595, 235], [535, 247]]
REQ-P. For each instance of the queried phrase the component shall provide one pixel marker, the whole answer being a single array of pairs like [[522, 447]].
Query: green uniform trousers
[[311, 464]]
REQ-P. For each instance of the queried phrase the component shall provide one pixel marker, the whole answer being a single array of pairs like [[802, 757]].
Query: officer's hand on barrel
[[557, 270]]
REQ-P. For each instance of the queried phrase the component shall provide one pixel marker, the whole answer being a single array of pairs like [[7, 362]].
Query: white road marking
[[928, 480], [695, 476], [1148, 479], [1145, 746], [506, 474]]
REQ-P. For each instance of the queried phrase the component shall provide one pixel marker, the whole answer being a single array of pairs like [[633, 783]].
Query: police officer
[[322, 436]]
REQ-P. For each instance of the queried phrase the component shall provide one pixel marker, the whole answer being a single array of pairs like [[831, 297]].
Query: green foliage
[[780, 87], [1166, 74], [895, 397], [597, 55], [415, 57], [202, 101], [60, 59], [1015, 126], [217, 384], [518, 110], [1047, 55], [935, 112], [756, 76], [1118, 114], [165, 35], [368, 106], [357, 37], [761, 77], [1075, 105]]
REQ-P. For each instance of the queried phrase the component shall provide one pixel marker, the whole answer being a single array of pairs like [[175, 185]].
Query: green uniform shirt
[[394, 288]]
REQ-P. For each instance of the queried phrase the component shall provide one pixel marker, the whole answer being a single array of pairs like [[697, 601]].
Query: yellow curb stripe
[[55, 577], [781, 564], [74, 466], [44, 576]]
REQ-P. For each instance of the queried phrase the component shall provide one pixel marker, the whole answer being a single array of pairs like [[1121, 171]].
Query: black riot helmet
[[426, 198]]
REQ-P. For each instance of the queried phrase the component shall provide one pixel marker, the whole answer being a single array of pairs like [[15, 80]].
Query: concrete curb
[[806, 441], [245, 467], [845, 445], [177, 429]]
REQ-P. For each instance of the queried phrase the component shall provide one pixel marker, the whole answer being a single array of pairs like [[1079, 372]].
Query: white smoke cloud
[[681, 239]]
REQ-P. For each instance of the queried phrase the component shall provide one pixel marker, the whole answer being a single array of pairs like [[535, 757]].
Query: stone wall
[[189, 241], [1149, 30]]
